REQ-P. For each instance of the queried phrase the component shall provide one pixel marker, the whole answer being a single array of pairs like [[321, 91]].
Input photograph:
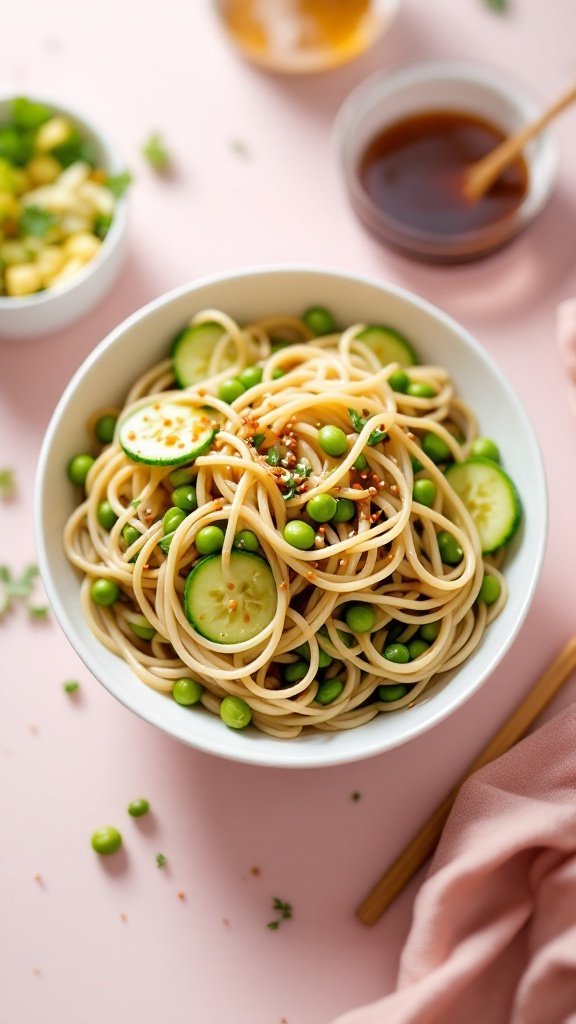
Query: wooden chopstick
[[424, 842]]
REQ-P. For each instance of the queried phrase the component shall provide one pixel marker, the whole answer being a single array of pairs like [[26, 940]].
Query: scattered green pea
[[485, 447], [398, 653], [333, 441], [245, 540], [450, 551], [250, 377], [104, 592], [209, 540], [181, 476], [106, 840], [184, 497], [278, 372], [138, 808], [394, 630], [329, 690], [106, 515], [172, 519], [142, 628], [490, 589], [360, 617], [235, 713], [299, 535], [322, 508], [419, 389], [324, 659], [230, 390], [130, 535], [392, 692], [319, 320], [78, 469], [361, 463], [345, 510], [436, 447], [416, 464], [424, 491], [105, 428], [187, 691], [295, 671], [417, 647], [399, 381], [429, 631]]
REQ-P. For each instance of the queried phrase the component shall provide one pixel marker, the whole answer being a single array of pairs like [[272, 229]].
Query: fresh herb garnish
[[27, 113], [161, 860], [292, 479], [118, 183], [72, 686], [102, 224], [359, 422], [7, 484], [273, 456], [257, 439], [156, 153], [497, 5], [38, 611], [284, 911], [76, 148], [36, 221], [136, 502]]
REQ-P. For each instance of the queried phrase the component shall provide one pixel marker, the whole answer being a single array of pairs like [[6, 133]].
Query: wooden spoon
[[480, 176]]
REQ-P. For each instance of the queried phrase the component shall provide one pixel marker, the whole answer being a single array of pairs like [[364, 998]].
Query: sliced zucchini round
[[192, 352], [490, 497], [389, 345], [231, 608], [166, 433]]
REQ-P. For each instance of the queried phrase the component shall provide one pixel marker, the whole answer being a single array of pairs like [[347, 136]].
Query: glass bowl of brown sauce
[[407, 135]]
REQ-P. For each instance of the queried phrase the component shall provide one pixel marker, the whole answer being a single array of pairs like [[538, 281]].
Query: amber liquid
[[412, 172], [301, 35]]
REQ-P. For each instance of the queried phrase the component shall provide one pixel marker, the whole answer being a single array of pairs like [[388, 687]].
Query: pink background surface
[[69, 765]]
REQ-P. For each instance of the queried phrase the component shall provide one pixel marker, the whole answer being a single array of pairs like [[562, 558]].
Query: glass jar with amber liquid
[[299, 36]]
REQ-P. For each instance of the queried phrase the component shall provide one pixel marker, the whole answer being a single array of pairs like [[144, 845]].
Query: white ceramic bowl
[[445, 85], [143, 339], [28, 316]]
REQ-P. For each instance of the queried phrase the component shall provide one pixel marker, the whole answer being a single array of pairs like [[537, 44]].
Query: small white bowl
[[29, 316], [431, 86], [145, 338]]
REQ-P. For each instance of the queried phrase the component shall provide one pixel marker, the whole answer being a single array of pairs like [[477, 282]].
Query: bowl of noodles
[[282, 514]]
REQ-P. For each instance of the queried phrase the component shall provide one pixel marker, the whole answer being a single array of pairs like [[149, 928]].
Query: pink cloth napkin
[[493, 940], [566, 334]]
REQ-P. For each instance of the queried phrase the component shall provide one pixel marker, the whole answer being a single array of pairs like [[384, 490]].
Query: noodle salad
[[291, 525]]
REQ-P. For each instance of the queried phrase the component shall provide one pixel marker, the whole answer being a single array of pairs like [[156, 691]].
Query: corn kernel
[[82, 244], [50, 262], [100, 198], [53, 133], [9, 205], [73, 223], [13, 252], [70, 269], [22, 279], [43, 169]]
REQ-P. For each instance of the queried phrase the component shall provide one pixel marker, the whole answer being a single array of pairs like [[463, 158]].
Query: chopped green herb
[[359, 422], [118, 183], [38, 611], [156, 153], [102, 224], [28, 114], [257, 439], [292, 479], [21, 587], [136, 502], [273, 456], [161, 860], [76, 148], [283, 909], [72, 686], [16, 144], [36, 221], [7, 484], [501, 6], [272, 925]]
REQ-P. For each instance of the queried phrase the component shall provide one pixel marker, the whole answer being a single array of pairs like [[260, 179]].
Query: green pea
[[251, 376], [299, 535], [319, 320], [329, 690], [278, 372], [245, 540], [347, 639], [398, 653], [399, 381], [104, 592], [436, 447], [394, 630], [182, 476], [209, 540], [106, 515], [172, 519], [105, 428], [416, 648], [78, 469], [142, 628], [230, 390], [138, 808], [277, 344], [130, 535], [184, 497], [345, 510], [361, 462], [490, 590], [333, 441], [450, 551], [485, 447], [187, 691], [321, 508], [429, 631], [360, 617], [235, 713], [392, 692], [324, 659], [417, 466], [424, 491], [106, 840], [295, 671], [419, 389]]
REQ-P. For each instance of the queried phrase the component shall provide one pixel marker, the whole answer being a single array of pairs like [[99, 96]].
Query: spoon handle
[[481, 175]]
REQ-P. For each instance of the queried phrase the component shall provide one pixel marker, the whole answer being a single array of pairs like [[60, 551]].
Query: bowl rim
[[113, 160], [320, 757]]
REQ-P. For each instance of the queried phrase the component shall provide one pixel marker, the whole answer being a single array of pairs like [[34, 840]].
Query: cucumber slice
[[166, 433], [389, 345], [192, 352], [232, 608], [490, 497]]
